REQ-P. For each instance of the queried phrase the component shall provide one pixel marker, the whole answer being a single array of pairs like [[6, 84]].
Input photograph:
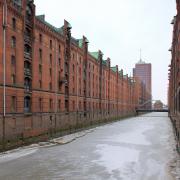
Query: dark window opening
[[50, 44], [59, 105], [13, 78], [50, 104], [13, 60], [40, 69], [50, 59], [50, 86], [27, 49], [66, 105], [40, 38], [27, 84], [40, 104], [13, 42], [14, 23], [29, 13], [50, 72], [179, 101], [13, 104], [40, 84], [27, 104], [40, 54]]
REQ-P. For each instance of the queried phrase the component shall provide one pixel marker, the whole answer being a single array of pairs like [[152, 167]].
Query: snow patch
[[133, 137], [71, 137], [116, 157]]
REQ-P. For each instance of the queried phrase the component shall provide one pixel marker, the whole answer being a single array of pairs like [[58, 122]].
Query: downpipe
[[4, 70]]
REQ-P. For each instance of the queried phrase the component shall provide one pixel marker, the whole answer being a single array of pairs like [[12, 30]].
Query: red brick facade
[[53, 82], [174, 77]]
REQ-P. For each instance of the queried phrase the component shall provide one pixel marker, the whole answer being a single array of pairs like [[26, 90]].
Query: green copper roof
[[95, 55], [104, 62], [114, 69], [80, 43], [69, 25], [42, 19]]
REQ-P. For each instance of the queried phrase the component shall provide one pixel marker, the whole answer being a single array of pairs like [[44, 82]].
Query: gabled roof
[[42, 19], [121, 73], [80, 42], [114, 69], [95, 55], [104, 62]]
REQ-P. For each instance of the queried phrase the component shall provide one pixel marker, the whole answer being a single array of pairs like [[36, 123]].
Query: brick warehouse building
[[50, 82], [174, 77]]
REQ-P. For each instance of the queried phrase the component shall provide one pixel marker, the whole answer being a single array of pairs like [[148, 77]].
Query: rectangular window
[[59, 105], [40, 104], [40, 69], [50, 86], [50, 104], [59, 48], [13, 60], [50, 72], [40, 38], [50, 59], [14, 23], [59, 61], [13, 104], [66, 105], [40, 55], [73, 105], [13, 78], [50, 44], [13, 42], [40, 84]]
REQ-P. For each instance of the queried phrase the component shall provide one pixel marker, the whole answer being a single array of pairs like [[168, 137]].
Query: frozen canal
[[139, 148]]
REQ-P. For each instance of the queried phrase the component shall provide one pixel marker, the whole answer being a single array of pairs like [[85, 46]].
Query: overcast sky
[[120, 28]]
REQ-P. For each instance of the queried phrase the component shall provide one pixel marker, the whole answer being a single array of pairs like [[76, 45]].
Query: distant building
[[142, 70], [158, 105]]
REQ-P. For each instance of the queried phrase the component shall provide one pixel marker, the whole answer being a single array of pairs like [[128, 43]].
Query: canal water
[[138, 148]]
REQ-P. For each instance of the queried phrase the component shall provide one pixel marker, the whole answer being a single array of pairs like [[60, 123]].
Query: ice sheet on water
[[18, 153], [115, 158], [134, 137]]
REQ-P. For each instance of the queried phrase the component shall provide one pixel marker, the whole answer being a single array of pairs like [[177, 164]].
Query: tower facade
[[142, 71]]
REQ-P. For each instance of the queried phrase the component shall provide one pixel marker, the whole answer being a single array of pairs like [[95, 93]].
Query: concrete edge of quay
[[15, 141]]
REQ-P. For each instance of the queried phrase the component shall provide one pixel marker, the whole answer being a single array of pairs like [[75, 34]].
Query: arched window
[[27, 104]]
